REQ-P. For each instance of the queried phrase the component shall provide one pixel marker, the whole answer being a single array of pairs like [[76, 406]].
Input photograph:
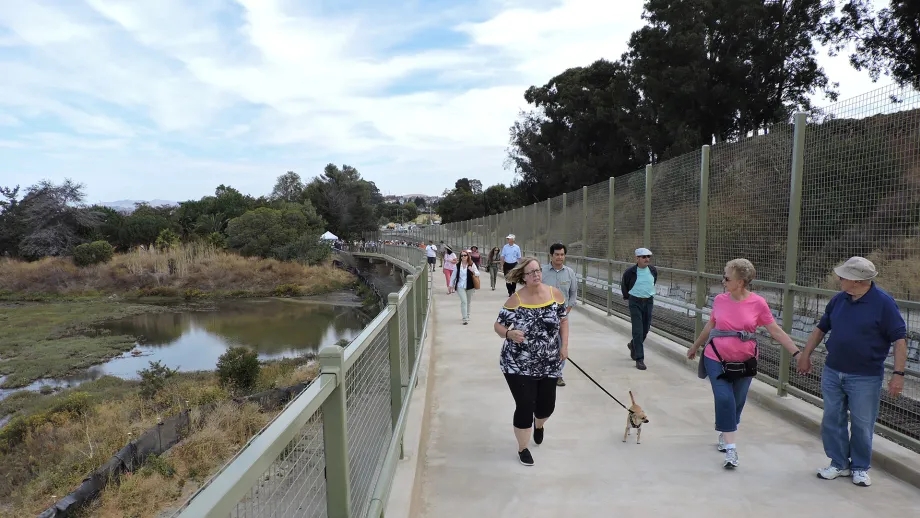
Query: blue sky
[[145, 99]]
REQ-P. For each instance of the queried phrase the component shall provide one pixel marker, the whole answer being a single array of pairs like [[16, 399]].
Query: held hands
[[896, 385], [803, 364]]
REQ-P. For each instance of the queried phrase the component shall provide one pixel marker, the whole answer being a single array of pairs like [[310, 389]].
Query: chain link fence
[[853, 190]]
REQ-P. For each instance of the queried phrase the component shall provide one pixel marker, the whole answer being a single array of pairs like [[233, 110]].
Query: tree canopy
[[698, 72]]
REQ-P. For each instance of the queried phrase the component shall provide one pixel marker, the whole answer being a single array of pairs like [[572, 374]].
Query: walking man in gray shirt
[[557, 274]]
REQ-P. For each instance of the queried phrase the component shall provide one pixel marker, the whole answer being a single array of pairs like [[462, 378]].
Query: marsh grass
[[54, 441], [191, 270]]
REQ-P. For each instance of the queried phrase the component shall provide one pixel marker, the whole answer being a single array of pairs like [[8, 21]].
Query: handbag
[[732, 371], [475, 280]]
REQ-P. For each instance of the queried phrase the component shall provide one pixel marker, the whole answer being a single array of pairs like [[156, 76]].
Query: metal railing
[[333, 450], [796, 200]]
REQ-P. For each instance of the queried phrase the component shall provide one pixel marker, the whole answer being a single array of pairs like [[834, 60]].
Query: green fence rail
[[796, 200], [333, 451]]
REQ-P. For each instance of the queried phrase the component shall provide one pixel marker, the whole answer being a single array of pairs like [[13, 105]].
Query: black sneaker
[[526, 457], [538, 435], [632, 354], [640, 364]]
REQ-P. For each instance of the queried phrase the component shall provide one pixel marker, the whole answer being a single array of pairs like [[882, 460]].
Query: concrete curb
[[406, 491], [887, 455]]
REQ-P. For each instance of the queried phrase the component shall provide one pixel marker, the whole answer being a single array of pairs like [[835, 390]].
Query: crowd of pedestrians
[[534, 326]]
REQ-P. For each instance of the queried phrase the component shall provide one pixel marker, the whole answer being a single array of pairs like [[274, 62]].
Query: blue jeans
[[729, 396], [860, 395]]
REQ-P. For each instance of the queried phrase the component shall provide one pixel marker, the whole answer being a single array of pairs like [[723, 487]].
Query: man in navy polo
[[865, 322]]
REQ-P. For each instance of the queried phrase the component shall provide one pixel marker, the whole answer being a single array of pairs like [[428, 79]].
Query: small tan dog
[[634, 419]]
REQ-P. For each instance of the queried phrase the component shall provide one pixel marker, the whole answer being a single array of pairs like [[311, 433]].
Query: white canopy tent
[[329, 236]]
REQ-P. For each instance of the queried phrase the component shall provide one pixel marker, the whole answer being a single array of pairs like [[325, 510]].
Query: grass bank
[[53, 441], [52, 306], [189, 271]]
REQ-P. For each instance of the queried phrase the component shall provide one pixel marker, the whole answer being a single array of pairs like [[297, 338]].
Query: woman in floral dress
[[534, 325]]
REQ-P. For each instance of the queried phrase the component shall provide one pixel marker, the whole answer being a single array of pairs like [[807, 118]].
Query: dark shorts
[[431, 260]]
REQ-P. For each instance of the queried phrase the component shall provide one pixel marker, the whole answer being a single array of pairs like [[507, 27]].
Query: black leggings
[[533, 397]]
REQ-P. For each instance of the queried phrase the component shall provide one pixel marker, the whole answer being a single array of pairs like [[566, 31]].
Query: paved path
[[583, 469]]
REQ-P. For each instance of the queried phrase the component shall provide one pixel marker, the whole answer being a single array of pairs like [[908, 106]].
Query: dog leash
[[599, 385]]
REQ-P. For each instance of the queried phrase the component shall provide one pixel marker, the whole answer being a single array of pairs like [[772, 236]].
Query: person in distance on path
[[865, 321], [511, 254], [534, 325], [562, 277], [461, 281], [638, 287]]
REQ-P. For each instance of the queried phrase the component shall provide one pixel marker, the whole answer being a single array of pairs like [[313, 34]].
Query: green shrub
[[154, 379], [287, 290], [93, 253], [167, 239], [238, 369]]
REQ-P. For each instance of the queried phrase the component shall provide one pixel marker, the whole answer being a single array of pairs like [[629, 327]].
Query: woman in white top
[[450, 265], [461, 281]]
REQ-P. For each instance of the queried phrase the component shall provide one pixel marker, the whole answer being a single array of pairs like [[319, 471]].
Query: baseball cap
[[643, 251], [509, 236], [856, 269]]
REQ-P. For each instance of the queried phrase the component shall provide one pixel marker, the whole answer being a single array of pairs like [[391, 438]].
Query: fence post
[[584, 244], [611, 183], [565, 223], [396, 381], [792, 243], [647, 234], [411, 316], [335, 435], [549, 223], [702, 288]]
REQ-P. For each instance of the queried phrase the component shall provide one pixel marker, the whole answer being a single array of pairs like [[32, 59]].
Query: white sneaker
[[830, 473], [731, 459], [861, 478], [721, 445]]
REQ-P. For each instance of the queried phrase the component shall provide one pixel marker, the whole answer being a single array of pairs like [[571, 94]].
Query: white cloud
[[167, 99]]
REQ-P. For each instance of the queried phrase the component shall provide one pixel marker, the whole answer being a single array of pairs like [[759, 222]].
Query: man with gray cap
[[511, 254], [638, 287], [865, 322]]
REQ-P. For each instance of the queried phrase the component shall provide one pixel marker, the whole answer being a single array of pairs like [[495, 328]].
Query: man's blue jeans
[[729, 396], [860, 395]]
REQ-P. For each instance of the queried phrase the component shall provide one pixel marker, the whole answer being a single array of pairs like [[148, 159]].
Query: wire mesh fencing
[[850, 185], [295, 483], [369, 421]]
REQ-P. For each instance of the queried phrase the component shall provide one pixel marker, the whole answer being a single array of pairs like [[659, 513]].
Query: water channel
[[193, 340]]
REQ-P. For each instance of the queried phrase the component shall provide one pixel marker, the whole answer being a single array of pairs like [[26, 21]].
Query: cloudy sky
[[145, 99]]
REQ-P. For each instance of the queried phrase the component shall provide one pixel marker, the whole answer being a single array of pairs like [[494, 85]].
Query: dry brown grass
[[58, 453], [169, 273]]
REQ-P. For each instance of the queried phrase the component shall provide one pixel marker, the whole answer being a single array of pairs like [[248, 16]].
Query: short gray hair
[[743, 269]]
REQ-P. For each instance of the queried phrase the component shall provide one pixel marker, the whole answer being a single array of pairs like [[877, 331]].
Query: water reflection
[[194, 340]]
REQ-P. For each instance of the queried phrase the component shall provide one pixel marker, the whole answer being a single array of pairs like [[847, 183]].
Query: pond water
[[194, 340]]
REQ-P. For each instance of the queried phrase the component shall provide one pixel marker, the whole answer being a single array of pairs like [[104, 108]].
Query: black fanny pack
[[732, 371]]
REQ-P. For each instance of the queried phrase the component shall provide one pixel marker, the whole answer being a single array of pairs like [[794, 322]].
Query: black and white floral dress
[[538, 355]]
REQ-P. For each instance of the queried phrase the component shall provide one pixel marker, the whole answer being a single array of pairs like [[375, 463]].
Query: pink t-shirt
[[733, 315]]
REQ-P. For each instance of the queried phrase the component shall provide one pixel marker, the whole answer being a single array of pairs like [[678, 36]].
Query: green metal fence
[[333, 450], [796, 199]]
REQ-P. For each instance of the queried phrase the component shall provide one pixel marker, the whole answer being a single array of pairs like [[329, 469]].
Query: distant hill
[[128, 205]]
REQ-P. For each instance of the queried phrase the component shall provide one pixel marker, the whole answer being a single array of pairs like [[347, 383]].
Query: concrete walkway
[[469, 466]]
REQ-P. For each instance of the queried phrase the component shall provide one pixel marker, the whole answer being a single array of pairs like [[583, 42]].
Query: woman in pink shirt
[[737, 310]]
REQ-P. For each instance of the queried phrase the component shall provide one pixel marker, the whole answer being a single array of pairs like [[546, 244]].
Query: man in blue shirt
[[638, 287], [865, 322], [511, 253]]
